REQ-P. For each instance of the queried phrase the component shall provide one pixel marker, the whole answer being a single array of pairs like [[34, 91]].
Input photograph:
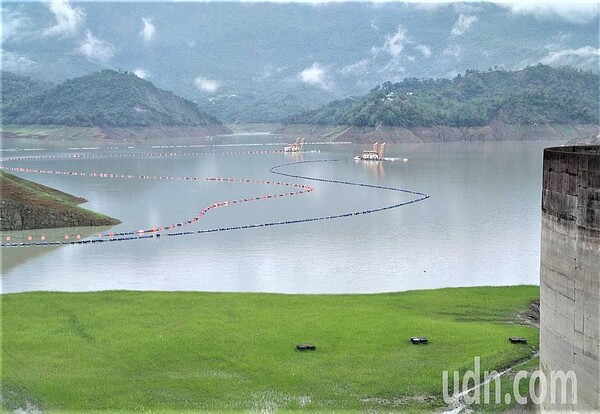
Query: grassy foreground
[[187, 351]]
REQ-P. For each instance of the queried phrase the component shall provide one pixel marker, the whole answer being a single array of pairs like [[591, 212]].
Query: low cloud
[[583, 56], [394, 44], [141, 73], [267, 73], [470, 8], [454, 51], [206, 85], [452, 74], [12, 24], [315, 75], [359, 68], [16, 62], [559, 41], [148, 31], [96, 50], [394, 70], [559, 53], [428, 6], [425, 50], [463, 24], [391, 58], [68, 18], [573, 12]]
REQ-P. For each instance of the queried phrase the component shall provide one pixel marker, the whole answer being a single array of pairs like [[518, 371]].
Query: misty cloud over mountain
[[245, 55]]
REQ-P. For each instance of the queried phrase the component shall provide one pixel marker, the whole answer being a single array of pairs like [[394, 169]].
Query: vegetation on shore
[[253, 128], [105, 99], [111, 134], [51, 132], [16, 88], [535, 95], [495, 131], [25, 205], [129, 351]]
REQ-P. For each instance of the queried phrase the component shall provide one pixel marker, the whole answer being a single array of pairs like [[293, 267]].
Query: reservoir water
[[480, 226]]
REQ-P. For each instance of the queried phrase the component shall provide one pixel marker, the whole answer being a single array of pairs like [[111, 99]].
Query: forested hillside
[[107, 99], [264, 61], [535, 95], [16, 88]]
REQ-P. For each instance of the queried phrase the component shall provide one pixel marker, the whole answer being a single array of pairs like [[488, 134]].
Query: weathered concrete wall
[[570, 273]]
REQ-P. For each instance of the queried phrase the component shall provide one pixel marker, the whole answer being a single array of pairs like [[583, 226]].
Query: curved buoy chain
[[118, 236], [155, 232], [381, 187], [421, 196]]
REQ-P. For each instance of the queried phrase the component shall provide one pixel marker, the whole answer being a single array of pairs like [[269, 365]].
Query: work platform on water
[[296, 146], [375, 154]]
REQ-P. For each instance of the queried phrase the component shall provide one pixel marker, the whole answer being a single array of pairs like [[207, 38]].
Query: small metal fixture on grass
[[416, 340], [306, 347]]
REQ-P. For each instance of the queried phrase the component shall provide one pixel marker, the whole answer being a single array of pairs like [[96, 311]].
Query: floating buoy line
[[167, 230]]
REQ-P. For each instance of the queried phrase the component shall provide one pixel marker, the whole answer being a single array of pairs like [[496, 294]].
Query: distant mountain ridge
[[103, 99], [256, 61], [535, 95]]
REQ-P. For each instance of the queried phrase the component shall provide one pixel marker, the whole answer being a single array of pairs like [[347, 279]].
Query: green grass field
[[189, 351]]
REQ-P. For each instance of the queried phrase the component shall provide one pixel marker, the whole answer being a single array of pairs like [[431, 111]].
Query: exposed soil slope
[[25, 205]]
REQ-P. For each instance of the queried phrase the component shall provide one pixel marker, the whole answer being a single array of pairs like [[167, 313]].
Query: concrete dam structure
[[570, 278]]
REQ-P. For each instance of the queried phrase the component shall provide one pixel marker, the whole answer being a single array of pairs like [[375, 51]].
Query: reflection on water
[[480, 226], [375, 167], [294, 156], [15, 256]]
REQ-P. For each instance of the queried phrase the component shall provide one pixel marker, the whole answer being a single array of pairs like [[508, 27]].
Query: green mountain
[[270, 106], [534, 95], [15, 88], [106, 99], [250, 61]]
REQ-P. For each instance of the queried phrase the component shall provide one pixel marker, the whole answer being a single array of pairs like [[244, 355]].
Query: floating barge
[[375, 154], [296, 146]]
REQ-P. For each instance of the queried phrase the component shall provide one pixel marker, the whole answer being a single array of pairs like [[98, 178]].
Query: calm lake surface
[[480, 226]]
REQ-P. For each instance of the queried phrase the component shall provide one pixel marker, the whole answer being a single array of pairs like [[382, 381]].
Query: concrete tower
[[570, 275]]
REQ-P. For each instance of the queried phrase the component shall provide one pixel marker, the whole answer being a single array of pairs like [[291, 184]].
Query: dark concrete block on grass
[[416, 340], [306, 347], [517, 340]]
